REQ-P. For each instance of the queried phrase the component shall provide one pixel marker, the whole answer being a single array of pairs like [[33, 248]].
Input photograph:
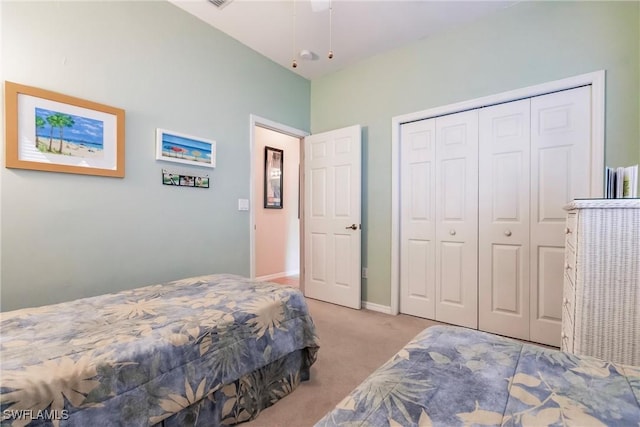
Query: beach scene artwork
[[186, 149], [68, 134]]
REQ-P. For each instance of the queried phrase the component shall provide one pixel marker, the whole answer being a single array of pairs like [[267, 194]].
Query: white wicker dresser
[[601, 301]]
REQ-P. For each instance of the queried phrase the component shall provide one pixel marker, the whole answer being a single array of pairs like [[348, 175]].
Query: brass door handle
[[352, 227]]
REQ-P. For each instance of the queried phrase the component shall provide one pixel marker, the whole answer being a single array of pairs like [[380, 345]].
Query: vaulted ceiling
[[352, 29]]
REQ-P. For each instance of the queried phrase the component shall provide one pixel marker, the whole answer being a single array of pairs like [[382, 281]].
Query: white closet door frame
[[597, 82]]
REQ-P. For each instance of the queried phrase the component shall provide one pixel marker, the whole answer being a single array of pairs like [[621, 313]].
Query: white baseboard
[[376, 307], [279, 275]]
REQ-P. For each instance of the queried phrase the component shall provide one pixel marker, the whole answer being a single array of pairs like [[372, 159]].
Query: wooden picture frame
[[52, 132], [185, 149], [273, 176]]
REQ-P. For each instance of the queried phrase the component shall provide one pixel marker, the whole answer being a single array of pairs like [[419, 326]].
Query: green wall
[[68, 236], [524, 45]]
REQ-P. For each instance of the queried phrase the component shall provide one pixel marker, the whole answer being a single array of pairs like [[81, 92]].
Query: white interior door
[[560, 172], [332, 196], [417, 218], [457, 218], [503, 267]]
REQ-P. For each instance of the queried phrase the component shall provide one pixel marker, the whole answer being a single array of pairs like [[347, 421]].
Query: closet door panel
[[551, 262], [503, 270], [560, 162], [417, 219], [451, 280], [456, 226]]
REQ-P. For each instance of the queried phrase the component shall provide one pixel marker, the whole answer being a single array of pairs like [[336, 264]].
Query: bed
[[452, 376], [212, 350]]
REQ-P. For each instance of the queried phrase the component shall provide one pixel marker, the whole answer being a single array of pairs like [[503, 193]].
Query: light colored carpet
[[353, 343]]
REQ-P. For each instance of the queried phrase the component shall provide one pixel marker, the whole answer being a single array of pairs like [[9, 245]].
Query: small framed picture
[[169, 178], [186, 149], [273, 175]]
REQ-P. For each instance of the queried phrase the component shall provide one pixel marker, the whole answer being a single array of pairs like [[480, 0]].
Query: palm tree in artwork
[[61, 121], [53, 121], [196, 154], [65, 122], [40, 123]]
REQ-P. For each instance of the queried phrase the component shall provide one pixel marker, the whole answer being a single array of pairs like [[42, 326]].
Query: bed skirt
[[245, 398]]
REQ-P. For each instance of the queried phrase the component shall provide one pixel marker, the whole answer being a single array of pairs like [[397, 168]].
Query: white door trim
[[595, 79], [254, 121]]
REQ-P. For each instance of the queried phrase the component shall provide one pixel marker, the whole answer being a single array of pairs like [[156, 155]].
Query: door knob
[[452, 232], [507, 233], [352, 227]]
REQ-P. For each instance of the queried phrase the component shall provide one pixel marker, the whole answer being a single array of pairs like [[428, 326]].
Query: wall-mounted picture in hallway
[[273, 165], [186, 149], [58, 133]]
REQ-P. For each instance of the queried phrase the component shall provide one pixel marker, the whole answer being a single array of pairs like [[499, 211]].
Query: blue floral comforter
[[452, 376], [142, 356]]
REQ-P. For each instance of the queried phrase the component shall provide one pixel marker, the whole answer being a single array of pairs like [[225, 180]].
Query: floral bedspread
[[137, 357], [452, 376]]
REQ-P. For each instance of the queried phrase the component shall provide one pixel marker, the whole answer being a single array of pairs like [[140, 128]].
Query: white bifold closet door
[[456, 190], [439, 193], [503, 256], [417, 229], [534, 160], [481, 215], [560, 172]]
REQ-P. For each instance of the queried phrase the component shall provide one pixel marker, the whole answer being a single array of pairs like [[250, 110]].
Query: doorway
[[327, 209], [275, 228]]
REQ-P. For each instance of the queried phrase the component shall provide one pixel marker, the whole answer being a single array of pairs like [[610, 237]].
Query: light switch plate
[[243, 204]]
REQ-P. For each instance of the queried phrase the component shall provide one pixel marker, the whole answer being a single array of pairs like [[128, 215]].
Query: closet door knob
[[507, 233], [452, 232], [567, 230]]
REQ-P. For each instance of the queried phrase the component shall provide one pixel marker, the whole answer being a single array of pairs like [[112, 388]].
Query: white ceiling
[[360, 28]]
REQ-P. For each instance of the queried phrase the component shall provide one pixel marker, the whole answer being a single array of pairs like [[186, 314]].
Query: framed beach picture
[[52, 132], [186, 149], [273, 167]]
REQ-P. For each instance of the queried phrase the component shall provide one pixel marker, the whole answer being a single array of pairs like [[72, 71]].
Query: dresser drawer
[[570, 230], [570, 264], [566, 337], [568, 296]]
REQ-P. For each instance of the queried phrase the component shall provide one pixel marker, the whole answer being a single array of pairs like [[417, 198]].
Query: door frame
[[255, 120], [595, 79]]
